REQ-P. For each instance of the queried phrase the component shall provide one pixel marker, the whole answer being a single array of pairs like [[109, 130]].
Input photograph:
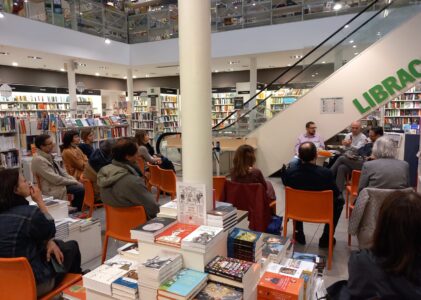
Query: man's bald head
[[356, 127], [307, 152]]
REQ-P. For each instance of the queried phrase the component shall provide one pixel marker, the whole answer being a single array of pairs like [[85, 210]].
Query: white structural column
[[253, 88], [71, 84], [195, 85], [130, 89]]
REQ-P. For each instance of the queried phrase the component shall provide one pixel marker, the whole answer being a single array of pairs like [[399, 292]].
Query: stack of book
[[245, 244], [156, 271], [168, 210], [185, 285], [236, 273], [274, 248], [148, 231], [129, 251], [319, 260], [126, 287], [223, 216], [202, 239], [174, 234], [215, 290], [277, 286]]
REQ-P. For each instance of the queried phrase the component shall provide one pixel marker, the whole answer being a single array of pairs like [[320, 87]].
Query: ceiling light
[[296, 56], [125, 77], [4, 53], [254, 4], [1, 15], [107, 41], [34, 57], [323, 62], [289, 65], [62, 69], [313, 75], [379, 33], [102, 67], [216, 71], [355, 46], [134, 77], [337, 6], [234, 62], [15, 64], [356, 53], [82, 64], [110, 3], [231, 69], [351, 41], [346, 26], [147, 75], [316, 73], [97, 74]]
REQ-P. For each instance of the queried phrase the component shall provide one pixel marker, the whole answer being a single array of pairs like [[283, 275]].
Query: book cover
[[228, 267], [127, 283], [173, 235], [191, 206], [276, 286], [162, 260], [202, 236], [79, 122], [184, 282], [152, 227], [222, 212], [75, 291], [219, 291], [273, 244], [244, 236]]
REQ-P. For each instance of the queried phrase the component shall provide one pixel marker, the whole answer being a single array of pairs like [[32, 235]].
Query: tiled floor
[[312, 231]]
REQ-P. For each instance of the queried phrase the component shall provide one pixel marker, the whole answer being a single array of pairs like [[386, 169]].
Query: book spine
[[217, 273]]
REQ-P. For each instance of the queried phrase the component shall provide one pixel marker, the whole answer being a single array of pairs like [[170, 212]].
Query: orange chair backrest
[[218, 186], [141, 164], [89, 199], [309, 206], [355, 180], [119, 221], [155, 178], [16, 279], [168, 182]]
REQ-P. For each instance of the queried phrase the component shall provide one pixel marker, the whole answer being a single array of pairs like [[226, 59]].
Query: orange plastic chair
[[17, 280], [310, 206], [89, 200], [168, 183], [155, 176], [352, 190], [119, 221], [218, 186]]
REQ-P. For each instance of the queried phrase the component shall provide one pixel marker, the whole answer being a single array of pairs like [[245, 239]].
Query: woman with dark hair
[[121, 183], [391, 269], [28, 231], [73, 158], [88, 139], [245, 172], [147, 152]]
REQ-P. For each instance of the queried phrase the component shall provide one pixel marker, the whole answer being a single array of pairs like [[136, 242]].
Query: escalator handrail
[[307, 66], [215, 128]]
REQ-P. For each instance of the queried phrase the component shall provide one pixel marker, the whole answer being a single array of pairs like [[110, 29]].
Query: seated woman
[[245, 172], [121, 183], [88, 139], [73, 158], [391, 269], [28, 231], [384, 171], [147, 152]]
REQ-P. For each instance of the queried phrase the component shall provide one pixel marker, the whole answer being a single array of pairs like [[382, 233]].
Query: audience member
[[99, 158], [244, 170], [121, 183], [384, 171], [391, 269], [355, 139], [348, 162], [309, 136], [310, 177], [53, 180], [88, 139], [147, 152], [28, 231], [73, 158]]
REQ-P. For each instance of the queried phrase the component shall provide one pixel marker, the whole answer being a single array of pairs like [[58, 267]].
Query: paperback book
[[202, 238], [219, 291], [174, 234], [191, 206], [149, 230], [184, 285]]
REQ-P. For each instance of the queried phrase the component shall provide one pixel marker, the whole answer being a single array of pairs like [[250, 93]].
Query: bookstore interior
[[201, 245]]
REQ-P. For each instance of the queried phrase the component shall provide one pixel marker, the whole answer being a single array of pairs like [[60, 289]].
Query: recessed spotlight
[[316, 73], [1, 15], [337, 6], [296, 56], [81, 13], [4, 53], [312, 75], [125, 77], [323, 62], [235, 7], [351, 41], [346, 26], [62, 69], [107, 41], [216, 71], [34, 57], [234, 62], [289, 65], [254, 4], [134, 77], [379, 33], [15, 64], [102, 67], [356, 53], [82, 65], [355, 46], [97, 74], [147, 75]]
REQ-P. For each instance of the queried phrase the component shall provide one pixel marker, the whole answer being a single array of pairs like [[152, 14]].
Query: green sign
[[388, 87]]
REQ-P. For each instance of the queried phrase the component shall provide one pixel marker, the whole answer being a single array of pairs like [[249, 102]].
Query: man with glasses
[[51, 178], [309, 136]]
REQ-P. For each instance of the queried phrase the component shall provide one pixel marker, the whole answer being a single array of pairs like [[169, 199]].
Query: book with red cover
[[277, 286], [76, 291], [173, 235]]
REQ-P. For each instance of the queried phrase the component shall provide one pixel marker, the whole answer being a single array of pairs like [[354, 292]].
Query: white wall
[[277, 137]]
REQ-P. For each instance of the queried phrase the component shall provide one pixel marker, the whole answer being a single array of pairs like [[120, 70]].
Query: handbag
[[275, 225]]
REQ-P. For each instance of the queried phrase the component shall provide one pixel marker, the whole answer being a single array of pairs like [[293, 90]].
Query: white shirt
[[357, 141]]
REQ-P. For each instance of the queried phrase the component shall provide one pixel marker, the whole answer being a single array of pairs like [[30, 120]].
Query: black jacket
[[310, 177], [86, 149], [367, 280], [97, 160]]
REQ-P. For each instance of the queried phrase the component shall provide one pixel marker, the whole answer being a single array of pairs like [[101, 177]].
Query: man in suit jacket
[[310, 177]]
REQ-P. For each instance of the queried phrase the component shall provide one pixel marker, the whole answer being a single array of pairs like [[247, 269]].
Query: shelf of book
[[222, 103], [9, 143], [167, 119]]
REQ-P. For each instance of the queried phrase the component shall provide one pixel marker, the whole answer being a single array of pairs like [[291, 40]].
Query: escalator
[[370, 60]]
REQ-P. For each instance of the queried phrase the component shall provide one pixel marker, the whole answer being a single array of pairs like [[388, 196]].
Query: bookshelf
[[222, 103], [168, 119], [140, 102], [9, 143], [144, 121], [281, 99]]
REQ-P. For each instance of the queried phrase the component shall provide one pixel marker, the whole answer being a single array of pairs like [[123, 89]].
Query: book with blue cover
[[184, 285]]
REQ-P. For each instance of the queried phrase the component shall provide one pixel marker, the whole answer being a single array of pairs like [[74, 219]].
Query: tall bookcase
[[281, 99], [222, 103], [9, 143], [169, 108]]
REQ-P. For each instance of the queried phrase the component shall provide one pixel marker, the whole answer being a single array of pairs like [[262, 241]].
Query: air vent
[[169, 66]]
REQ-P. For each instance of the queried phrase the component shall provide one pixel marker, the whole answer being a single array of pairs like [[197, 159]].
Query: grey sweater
[[121, 186]]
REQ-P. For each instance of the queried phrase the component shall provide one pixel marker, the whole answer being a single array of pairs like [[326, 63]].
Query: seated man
[[344, 165], [309, 136], [310, 177], [54, 181], [355, 139], [121, 183]]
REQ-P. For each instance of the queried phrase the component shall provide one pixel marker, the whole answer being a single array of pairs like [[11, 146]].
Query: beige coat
[[53, 181], [74, 161]]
